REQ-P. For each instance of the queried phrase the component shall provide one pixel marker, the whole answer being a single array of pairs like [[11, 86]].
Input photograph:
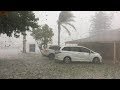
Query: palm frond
[[71, 26], [70, 20], [66, 30], [65, 16]]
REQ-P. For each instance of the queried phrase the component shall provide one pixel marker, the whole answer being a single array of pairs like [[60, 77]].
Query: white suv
[[77, 53], [50, 51]]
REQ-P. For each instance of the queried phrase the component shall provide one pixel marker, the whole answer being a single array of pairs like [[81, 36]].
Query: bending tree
[[43, 35], [65, 17], [18, 22]]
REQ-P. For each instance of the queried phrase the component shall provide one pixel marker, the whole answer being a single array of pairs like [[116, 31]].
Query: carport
[[109, 37]]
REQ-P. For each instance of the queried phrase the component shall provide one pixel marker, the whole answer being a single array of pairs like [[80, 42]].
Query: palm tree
[[65, 17]]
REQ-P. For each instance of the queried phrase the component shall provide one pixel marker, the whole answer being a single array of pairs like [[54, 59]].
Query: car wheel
[[67, 60], [51, 56], [96, 60]]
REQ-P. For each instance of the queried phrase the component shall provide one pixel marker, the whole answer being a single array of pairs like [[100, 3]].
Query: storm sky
[[82, 23]]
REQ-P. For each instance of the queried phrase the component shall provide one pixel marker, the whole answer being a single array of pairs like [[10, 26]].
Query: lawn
[[35, 66]]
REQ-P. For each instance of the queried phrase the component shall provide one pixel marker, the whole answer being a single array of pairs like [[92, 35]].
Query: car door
[[76, 54], [66, 51], [69, 51], [84, 54]]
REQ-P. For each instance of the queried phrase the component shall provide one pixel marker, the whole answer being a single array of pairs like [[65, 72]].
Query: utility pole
[[114, 57]]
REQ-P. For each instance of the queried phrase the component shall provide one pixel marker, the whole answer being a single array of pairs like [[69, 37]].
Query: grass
[[35, 66]]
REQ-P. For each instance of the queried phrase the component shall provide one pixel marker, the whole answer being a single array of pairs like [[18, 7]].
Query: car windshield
[[54, 47]]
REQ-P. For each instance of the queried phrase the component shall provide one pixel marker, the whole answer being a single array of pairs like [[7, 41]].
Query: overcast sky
[[82, 23]]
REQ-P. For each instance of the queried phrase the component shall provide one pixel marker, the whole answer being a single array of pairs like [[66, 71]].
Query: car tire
[[96, 60], [51, 56], [67, 60]]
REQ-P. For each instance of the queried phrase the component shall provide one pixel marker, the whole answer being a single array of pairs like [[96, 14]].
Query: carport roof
[[104, 36]]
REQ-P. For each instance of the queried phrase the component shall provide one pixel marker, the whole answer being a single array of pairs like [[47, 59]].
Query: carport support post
[[114, 57]]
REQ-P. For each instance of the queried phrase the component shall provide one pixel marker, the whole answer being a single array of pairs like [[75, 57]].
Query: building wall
[[70, 44], [16, 44], [118, 51], [105, 49]]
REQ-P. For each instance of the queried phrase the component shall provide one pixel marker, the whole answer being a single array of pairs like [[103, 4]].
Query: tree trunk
[[24, 42], [59, 34]]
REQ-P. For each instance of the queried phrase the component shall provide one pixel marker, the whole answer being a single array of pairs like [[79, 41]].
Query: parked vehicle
[[77, 53], [50, 51]]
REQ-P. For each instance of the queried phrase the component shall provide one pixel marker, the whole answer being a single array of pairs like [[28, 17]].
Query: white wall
[[71, 45], [16, 44]]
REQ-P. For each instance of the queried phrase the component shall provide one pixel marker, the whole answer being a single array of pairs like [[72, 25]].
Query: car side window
[[85, 50], [75, 49], [66, 49]]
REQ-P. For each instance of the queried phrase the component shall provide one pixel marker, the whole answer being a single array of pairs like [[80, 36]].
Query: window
[[76, 49], [32, 47], [66, 49], [85, 50]]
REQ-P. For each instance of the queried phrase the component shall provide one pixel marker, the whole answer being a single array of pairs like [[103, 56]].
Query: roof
[[103, 36]]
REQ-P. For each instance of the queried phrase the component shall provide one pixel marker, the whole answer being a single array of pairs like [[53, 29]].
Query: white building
[[16, 44]]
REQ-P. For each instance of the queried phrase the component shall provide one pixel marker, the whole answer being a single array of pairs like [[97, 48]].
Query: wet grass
[[35, 66]]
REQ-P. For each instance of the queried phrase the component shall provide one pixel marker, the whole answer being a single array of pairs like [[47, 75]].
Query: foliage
[[43, 34], [17, 22], [101, 21]]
